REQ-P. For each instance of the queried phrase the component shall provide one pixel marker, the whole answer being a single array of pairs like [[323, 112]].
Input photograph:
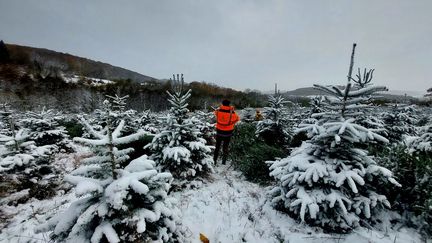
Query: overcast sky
[[236, 43]]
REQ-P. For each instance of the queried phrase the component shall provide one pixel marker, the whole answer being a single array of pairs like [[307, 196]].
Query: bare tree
[[43, 67]]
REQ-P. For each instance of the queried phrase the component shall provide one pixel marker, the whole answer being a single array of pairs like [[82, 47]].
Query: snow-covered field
[[119, 192], [90, 80], [227, 208], [230, 209]]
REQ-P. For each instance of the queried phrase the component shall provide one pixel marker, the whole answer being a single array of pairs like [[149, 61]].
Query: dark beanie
[[226, 102]]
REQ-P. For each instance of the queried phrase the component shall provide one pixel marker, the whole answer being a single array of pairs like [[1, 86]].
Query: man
[[226, 118]]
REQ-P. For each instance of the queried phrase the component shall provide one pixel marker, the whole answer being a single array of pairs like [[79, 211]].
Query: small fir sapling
[[179, 148], [248, 115], [148, 122], [129, 116], [331, 181], [316, 106], [117, 112], [421, 143], [205, 122], [275, 128], [411, 161], [45, 129], [399, 122], [420, 150], [18, 151], [119, 200], [25, 165]]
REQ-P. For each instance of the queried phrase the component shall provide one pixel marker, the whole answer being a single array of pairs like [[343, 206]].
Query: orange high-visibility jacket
[[226, 118]]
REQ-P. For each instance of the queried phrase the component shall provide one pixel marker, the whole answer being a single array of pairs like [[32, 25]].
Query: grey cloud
[[240, 44]]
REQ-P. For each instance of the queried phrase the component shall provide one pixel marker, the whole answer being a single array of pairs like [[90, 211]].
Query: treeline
[[25, 92], [34, 77], [152, 95]]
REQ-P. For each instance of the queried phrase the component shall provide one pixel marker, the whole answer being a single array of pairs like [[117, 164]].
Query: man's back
[[226, 118]]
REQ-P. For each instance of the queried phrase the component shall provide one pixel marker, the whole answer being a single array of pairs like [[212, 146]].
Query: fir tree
[[45, 129], [19, 151], [205, 123], [248, 115], [399, 122], [422, 143], [114, 109], [148, 122], [330, 181], [179, 148], [129, 116], [275, 128], [119, 200], [317, 104], [418, 166]]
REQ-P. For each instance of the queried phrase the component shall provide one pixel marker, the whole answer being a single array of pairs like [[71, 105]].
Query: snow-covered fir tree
[[419, 166], [129, 116], [399, 122], [248, 114], [421, 143], [117, 112], [205, 122], [119, 200], [44, 129], [316, 104], [148, 121], [275, 127], [179, 148], [17, 150], [330, 181]]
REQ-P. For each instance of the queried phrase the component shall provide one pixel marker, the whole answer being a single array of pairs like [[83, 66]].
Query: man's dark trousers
[[225, 139]]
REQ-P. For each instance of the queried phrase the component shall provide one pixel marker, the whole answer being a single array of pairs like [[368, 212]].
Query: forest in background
[[31, 78]]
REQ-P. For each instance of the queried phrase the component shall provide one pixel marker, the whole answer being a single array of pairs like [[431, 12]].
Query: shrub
[[73, 128], [249, 154], [414, 199]]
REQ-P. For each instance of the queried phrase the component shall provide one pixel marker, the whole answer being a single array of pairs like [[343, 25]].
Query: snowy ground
[[230, 209], [225, 209], [92, 81], [18, 222]]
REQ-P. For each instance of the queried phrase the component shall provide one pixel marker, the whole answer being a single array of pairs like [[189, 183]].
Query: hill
[[390, 95], [31, 78], [70, 64]]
